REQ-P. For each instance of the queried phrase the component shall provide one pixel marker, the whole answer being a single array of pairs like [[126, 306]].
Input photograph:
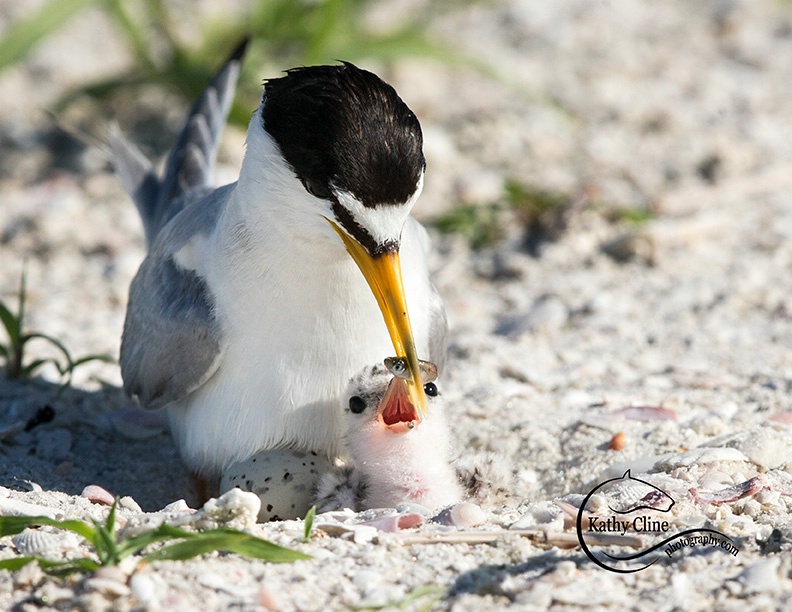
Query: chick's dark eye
[[316, 189], [430, 389], [357, 404]]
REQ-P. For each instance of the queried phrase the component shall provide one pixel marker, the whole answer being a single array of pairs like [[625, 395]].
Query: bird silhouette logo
[[637, 511]]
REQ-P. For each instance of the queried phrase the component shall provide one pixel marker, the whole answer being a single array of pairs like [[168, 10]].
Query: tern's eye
[[316, 189], [357, 404], [430, 389]]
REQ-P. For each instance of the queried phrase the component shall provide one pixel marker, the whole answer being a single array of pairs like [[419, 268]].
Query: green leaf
[[15, 563], [66, 568], [54, 568], [11, 324], [11, 525], [34, 365], [309, 520], [135, 544], [94, 357], [22, 36], [135, 34], [229, 540], [52, 340]]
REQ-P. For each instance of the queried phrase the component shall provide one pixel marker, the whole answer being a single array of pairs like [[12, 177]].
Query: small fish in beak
[[398, 367]]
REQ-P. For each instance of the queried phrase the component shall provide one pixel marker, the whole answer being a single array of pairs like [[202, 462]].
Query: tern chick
[[393, 456]]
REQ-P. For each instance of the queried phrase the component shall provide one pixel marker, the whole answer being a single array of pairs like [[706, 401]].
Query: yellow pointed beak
[[384, 277]]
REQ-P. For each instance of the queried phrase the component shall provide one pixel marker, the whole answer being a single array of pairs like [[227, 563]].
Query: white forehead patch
[[384, 223]]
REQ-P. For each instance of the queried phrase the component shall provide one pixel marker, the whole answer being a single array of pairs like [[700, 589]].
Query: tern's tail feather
[[191, 159]]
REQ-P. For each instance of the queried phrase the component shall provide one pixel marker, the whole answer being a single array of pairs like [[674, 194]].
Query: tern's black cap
[[345, 127]]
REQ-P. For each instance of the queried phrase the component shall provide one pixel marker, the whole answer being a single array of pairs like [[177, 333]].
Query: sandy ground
[[674, 331]]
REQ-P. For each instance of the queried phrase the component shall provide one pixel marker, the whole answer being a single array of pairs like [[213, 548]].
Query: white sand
[[682, 108]]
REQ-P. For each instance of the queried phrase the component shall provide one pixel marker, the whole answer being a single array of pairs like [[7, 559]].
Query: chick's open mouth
[[396, 410]]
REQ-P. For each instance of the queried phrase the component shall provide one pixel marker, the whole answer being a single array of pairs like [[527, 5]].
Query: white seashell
[[234, 506], [639, 465], [395, 522], [544, 515], [16, 507], [129, 503], [360, 534], [36, 542], [629, 493], [466, 514], [701, 455]]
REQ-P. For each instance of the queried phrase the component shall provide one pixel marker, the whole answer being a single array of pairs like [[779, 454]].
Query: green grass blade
[[229, 540], [309, 521], [15, 563], [20, 318], [93, 357], [52, 340], [11, 324], [34, 365], [135, 544], [105, 538], [54, 568], [134, 33], [67, 568], [11, 525], [105, 545], [22, 36]]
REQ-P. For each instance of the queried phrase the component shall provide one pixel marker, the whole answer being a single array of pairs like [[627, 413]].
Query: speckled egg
[[283, 479]]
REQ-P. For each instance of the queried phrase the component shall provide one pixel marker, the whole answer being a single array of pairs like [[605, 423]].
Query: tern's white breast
[[298, 321]]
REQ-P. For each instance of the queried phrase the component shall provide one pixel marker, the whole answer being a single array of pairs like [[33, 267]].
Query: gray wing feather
[[438, 331], [137, 176], [438, 323], [192, 158], [172, 342]]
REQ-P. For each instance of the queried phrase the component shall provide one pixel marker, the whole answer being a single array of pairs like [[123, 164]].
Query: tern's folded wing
[[172, 342], [438, 330]]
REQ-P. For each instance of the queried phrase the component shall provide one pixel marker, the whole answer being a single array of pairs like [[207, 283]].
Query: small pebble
[[144, 588], [98, 495], [462, 515], [178, 506], [129, 503], [618, 441]]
